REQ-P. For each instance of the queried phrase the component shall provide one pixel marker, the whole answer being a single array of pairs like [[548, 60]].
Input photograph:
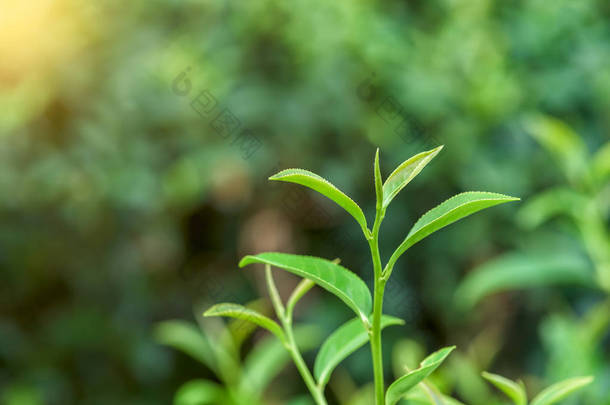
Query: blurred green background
[[136, 139]]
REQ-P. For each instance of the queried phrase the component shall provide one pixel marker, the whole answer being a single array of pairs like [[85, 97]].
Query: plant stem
[[315, 391], [375, 333]]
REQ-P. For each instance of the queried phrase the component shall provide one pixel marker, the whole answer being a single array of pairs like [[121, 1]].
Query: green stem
[[375, 333], [315, 391]]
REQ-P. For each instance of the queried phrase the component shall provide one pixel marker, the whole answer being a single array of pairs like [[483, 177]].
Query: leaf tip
[[246, 260]]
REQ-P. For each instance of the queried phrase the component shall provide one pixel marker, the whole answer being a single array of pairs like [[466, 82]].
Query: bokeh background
[[135, 142]]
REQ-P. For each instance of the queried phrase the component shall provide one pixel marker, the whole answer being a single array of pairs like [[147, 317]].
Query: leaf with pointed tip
[[324, 187], [199, 392], [378, 180], [559, 391], [328, 275], [188, 338], [341, 343], [401, 386], [240, 312], [406, 172], [448, 212], [514, 390]]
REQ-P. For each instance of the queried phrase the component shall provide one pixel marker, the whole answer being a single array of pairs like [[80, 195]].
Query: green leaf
[[188, 338], [401, 386], [406, 172], [515, 391], [199, 392], [562, 142], [269, 357], [601, 163], [240, 312], [324, 187], [341, 343], [448, 212], [328, 275], [378, 180], [559, 391], [519, 270], [550, 203]]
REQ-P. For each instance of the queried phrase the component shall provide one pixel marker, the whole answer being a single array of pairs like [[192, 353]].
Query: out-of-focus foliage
[[109, 176]]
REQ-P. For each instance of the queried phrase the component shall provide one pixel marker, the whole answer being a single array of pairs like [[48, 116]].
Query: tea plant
[[348, 287]]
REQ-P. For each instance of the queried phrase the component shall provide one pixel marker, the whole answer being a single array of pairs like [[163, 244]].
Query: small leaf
[[448, 212], [328, 275], [378, 180], [518, 270], [515, 391], [341, 343], [188, 338], [240, 312], [406, 172], [324, 187], [550, 203], [401, 386], [559, 391], [199, 392]]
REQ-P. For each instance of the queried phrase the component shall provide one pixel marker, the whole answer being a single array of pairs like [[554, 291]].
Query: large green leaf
[[559, 391], [328, 275], [406, 172], [240, 312], [448, 212], [199, 392], [523, 270], [341, 343], [188, 338], [324, 187], [401, 386], [515, 391]]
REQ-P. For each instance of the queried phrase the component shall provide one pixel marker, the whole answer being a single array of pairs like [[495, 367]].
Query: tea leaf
[[199, 392], [324, 187], [328, 275], [240, 312], [523, 270], [562, 142], [559, 391], [341, 343], [515, 391], [188, 338], [406, 172], [401, 386], [448, 212]]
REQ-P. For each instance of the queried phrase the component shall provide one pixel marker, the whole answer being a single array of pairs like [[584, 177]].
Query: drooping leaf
[[328, 275], [270, 356], [406, 172], [341, 343], [199, 392], [324, 187], [560, 390], [240, 312], [188, 338], [404, 384], [515, 391], [519, 270], [448, 212]]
